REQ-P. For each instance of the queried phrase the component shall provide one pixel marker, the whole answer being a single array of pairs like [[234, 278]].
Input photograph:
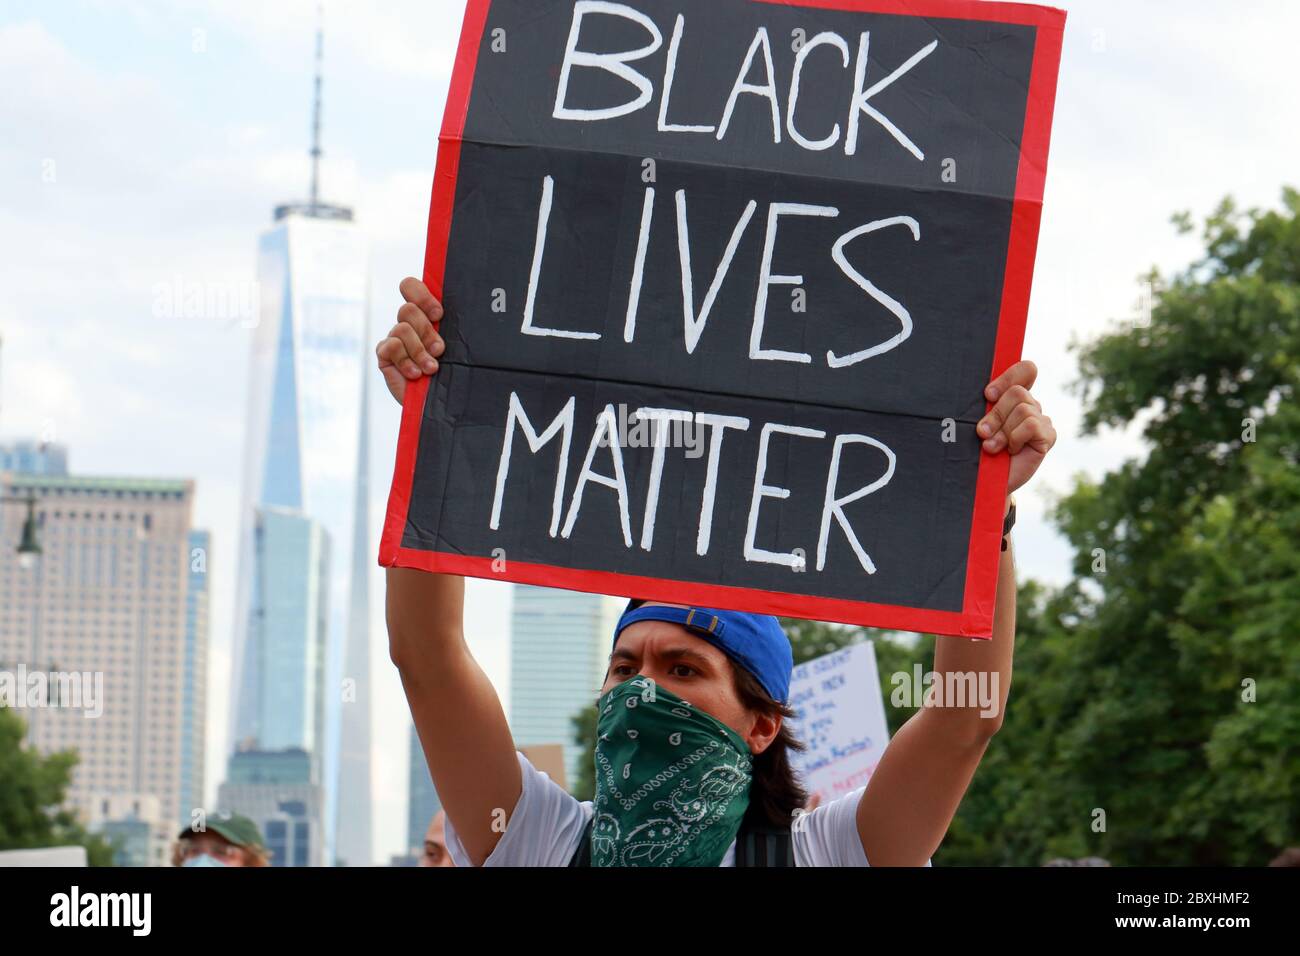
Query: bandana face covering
[[672, 782]]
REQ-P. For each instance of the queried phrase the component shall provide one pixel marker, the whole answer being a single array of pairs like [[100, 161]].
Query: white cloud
[[402, 38]]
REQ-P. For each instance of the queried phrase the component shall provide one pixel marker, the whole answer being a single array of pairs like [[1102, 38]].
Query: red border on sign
[[976, 616]]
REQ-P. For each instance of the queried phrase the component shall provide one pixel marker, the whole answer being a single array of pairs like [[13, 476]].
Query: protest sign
[[724, 283], [841, 720], [549, 759]]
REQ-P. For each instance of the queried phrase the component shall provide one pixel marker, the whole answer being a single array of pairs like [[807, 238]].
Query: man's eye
[[622, 670], [681, 670]]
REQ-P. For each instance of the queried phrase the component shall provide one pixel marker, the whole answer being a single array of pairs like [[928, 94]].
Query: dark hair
[[776, 792]]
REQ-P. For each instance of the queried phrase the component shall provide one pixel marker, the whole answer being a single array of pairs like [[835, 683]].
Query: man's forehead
[[662, 637]]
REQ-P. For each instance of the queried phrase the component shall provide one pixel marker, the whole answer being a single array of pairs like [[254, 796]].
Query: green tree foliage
[[32, 789], [1160, 686]]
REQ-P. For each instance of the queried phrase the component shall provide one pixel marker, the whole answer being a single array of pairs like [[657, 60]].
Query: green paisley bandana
[[672, 782]]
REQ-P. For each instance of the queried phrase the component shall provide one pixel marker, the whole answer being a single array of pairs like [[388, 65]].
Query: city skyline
[[161, 165]]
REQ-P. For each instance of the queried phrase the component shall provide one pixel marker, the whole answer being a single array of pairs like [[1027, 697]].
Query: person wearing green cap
[[222, 839], [693, 744]]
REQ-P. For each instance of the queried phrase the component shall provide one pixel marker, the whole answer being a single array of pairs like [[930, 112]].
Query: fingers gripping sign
[[412, 347], [1016, 424]]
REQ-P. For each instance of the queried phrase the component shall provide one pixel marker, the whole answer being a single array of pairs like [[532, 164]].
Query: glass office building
[[194, 695], [133, 824], [280, 792], [282, 692], [34, 458], [559, 647], [305, 463], [306, 456]]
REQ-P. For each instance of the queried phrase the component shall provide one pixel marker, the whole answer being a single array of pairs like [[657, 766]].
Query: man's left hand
[[1016, 423]]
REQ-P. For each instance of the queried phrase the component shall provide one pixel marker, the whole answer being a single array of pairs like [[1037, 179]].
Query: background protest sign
[[724, 283], [841, 720]]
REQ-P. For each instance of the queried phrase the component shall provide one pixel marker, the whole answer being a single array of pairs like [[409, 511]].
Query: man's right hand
[[413, 345]]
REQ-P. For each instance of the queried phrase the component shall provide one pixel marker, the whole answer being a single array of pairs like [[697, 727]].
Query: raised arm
[[457, 714], [914, 792]]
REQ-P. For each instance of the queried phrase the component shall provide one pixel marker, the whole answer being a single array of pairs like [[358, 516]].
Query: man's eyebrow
[[671, 653], [687, 654]]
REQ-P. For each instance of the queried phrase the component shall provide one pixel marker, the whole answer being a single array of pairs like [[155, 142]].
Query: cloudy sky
[[145, 144]]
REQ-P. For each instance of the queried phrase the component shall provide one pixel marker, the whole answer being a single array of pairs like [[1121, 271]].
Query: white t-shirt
[[547, 824]]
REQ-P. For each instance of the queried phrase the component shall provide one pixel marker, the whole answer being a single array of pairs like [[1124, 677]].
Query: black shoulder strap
[[764, 846], [755, 846]]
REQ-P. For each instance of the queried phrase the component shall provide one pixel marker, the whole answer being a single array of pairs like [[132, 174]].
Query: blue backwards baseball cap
[[754, 641]]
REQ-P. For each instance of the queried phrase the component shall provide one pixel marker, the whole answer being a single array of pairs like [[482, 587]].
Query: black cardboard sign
[[724, 282]]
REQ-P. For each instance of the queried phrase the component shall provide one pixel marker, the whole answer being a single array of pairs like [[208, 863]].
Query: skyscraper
[[134, 824], [354, 780], [34, 458], [194, 697], [282, 693], [115, 606], [559, 646], [279, 790], [305, 461]]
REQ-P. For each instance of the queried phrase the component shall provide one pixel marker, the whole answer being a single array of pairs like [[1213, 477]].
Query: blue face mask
[[203, 860]]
